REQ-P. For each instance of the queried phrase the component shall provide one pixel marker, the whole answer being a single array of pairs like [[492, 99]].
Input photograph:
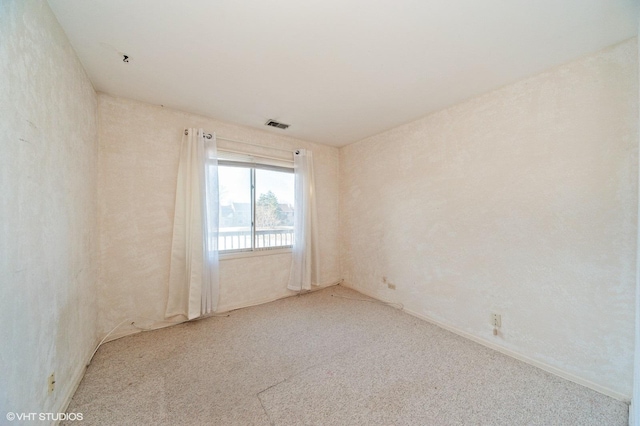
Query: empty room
[[319, 212]]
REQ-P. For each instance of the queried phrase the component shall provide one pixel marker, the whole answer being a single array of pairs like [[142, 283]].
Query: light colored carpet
[[324, 360]]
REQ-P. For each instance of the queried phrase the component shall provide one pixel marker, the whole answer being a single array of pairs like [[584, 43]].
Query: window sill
[[241, 254]]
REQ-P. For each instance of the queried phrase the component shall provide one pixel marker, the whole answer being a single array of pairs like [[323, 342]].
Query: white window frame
[[253, 250]]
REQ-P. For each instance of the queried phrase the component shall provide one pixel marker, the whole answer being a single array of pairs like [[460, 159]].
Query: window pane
[[274, 208], [235, 208]]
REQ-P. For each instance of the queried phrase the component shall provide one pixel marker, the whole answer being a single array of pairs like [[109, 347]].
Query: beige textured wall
[[139, 152], [48, 236], [634, 409], [522, 202]]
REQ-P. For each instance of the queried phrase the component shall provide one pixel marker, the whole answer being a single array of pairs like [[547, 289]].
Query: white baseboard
[[221, 310], [273, 299], [524, 358]]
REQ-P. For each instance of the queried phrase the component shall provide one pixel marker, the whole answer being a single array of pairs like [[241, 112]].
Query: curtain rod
[[210, 135]]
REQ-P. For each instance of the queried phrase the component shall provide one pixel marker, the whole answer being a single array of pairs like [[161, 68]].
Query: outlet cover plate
[[52, 382], [496, 320]]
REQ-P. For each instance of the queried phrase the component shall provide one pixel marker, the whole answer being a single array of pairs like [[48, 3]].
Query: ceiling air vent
[[274, 123]]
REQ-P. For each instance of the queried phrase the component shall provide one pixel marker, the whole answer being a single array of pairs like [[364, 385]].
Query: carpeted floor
[[318, 359]]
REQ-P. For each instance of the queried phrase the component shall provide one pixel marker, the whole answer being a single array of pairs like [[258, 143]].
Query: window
[[256, 206]]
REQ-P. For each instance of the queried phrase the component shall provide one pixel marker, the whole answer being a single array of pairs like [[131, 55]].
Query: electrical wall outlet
[[52, 382], [496, 320]]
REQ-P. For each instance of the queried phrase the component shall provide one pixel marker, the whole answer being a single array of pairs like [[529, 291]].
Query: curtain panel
[[194, 276], [305, 265]]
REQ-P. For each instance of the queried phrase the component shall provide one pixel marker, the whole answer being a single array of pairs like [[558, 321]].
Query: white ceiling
[[336, 70]]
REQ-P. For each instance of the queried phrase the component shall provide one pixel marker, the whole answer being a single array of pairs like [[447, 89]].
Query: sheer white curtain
[[193, 278], [305, 267]]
